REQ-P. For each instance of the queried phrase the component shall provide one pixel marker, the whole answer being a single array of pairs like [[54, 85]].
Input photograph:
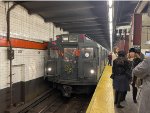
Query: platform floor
[[103, 98]]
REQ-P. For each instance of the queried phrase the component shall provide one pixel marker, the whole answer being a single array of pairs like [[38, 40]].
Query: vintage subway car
[[75, 63]]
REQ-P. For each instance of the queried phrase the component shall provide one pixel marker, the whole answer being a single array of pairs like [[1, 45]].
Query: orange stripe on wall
[[19, 43]]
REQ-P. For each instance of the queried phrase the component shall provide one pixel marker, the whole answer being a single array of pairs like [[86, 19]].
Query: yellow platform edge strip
[[103, 98]]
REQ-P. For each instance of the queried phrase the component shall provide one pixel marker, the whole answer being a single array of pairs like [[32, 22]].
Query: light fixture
[[110, 15], [117, 34], [110, 3], [92, 71], [122, 34], [49, 69]]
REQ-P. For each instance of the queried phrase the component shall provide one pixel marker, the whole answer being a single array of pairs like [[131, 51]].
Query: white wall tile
[[145, 31], [30, 62], [28, 27]]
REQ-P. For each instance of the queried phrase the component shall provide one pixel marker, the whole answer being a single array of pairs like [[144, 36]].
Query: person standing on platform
[[121, 77], [115, 54], [142, 71], [110, 59], [131, 57], [136, 61]]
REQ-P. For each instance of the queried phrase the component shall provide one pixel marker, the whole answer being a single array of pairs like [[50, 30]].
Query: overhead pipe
[[10, 48]]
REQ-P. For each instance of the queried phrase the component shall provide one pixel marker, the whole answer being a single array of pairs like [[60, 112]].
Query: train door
[[89, 61], [97, 58], [99, 61], [69, 63], [103, 59]]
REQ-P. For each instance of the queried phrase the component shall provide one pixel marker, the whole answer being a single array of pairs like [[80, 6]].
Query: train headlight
[[49, 69], [92, 71]]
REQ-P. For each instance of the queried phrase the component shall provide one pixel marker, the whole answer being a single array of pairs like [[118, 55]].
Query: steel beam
[[86, 30], [72, 19], [79, 24], [84, 27], [61, 9]]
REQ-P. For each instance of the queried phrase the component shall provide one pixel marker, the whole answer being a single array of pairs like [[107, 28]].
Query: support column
[[126, 47], [137, 24], [121, 44]]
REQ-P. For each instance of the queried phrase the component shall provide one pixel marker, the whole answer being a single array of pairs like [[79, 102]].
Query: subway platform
[[103, 97]]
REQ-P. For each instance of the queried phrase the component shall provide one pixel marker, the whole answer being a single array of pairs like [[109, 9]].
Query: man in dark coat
[[121, 77]]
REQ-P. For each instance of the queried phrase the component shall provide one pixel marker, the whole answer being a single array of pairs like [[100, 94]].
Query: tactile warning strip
[[103, 99]]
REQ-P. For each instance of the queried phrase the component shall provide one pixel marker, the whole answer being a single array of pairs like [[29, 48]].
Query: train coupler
[[66, 91]]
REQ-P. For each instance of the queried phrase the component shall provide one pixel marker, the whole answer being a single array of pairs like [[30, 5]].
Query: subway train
[[75, 63]]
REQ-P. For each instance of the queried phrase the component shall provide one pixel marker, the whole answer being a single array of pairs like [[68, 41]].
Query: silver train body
[[75, 63]]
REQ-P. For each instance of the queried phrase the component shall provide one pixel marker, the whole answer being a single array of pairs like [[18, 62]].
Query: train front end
[[73, 66]]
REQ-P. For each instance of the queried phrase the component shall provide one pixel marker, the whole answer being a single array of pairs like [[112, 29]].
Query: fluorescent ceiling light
[[110, 14], [110, 3], [110, 26]]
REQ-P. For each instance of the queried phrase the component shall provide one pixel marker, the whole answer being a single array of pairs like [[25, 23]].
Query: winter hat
[[131, 50]]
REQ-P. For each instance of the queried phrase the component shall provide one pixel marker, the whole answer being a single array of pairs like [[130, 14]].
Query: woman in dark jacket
[[121, 77], [134, 60]]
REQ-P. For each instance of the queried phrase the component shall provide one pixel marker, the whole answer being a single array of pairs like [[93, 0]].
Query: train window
[[69, 54], [53, 53], [65, 38], [87, 52], [73, 38]]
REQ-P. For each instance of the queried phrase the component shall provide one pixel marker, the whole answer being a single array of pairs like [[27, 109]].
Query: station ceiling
[[85, 17], [123, 12]]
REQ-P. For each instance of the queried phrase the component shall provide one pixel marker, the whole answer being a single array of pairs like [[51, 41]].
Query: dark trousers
[[118, 97], [135, 90], [124, 96], [109, 62]]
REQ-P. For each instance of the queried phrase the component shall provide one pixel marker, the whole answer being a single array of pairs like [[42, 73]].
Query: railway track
[[53, 102], [58, 104]]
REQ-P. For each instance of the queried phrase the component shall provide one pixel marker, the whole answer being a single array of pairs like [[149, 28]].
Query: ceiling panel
[[85, 17]]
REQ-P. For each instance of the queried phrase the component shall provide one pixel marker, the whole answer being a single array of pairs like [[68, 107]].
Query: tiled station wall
[[28, 65], [145, 32]]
